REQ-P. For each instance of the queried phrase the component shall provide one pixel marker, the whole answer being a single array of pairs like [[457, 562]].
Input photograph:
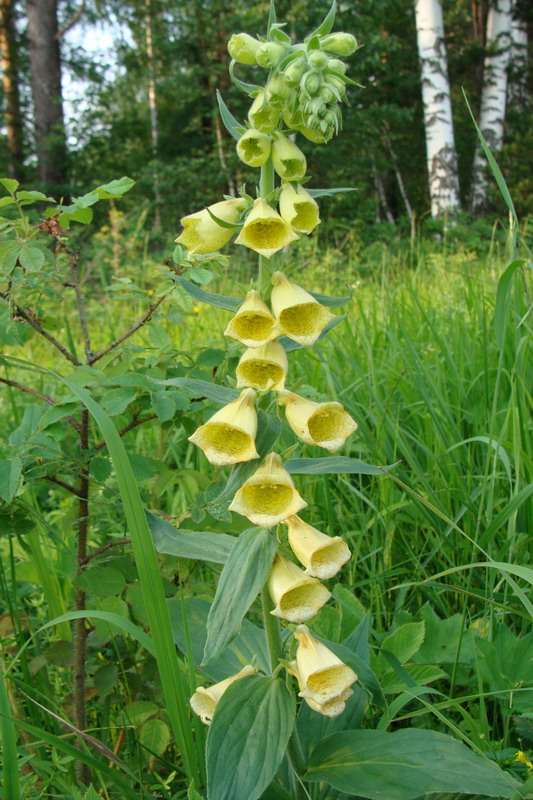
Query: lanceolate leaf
[[230, 123], [201, 545], [404, 765], [241, 580], [201, 389], [10, 478], [325, 300], [327, 23], [248, 738], [333, 465], [218, 300], [501, 309], [330, 192]]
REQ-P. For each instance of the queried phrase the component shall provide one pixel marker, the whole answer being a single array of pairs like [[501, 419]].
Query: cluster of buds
[[305, 80]]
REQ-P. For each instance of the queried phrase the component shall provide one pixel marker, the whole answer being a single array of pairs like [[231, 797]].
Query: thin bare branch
[[129, 427], [72, 21], [104, 547], [135, 327], [40, 396], [64, 485]]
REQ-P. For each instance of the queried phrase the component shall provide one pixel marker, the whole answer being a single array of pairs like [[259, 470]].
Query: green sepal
[[334, 465], [251, 89], [199, 545], [218, 300], [222, 223], [327, 23], [230, 123]]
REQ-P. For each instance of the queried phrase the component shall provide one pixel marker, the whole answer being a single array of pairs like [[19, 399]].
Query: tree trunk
[[45, 65], [152, 102], [517, 93], [493, 96], [440, 143], [13, 116]]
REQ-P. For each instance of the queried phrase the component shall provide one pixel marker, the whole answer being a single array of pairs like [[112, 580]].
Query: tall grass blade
[[10, 772]]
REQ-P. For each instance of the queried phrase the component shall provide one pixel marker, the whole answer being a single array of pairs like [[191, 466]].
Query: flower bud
[[202, 234], [229, 436], [253, 324], [296, 596], [269, 495], [289, 161], [340, 44], [331, 708], [340, 66], [321, 555], [292, 117], [327, 95], [269, 54], [263, 367], [315, 135], [317, 59], [254, 148], [298, 208], [335, 83], [326, 425], [294, 71], [311, 83], [277, 92], [204, 701], [262, 116], [243, 47], [323, 675], [264, 230], [298, 314]]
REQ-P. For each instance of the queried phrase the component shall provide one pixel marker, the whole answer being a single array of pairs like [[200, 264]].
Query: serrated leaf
[[248, 738], [405, 765], [154, 734], [6, 201], [101, 581], [200, 275], [333, 465], [33, 196], [9, 256], [74, 214], [217, 300], [163, 405], [230, 123], [116, 401], [201, 545], [405, 641], [115, 188], [31, 258], [10, 478], [10, 183], [240, 582]]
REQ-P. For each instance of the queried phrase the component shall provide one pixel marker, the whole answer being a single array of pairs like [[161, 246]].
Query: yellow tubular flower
[[263, 367], [298, 208], [327, 425], [323, 675], [268, 496], [296, 596], [331, 708], [321, 555], [202, 234], [298, 314], [254, 148], [229, 436], [262, 116], [289, 161], [264, 230], [204, 701], [253, 324], [243, 47]]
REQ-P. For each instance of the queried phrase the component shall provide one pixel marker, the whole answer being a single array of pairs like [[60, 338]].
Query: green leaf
[[116, 401], [333, 465], [8, 737], [10, 478], [101, 581], [163, 405], [10, 184], [115, 188], [74, 214], [330, 192], [6, 201], [248, 738], [501, 310], [365, 676], [137, 712], [405, 641], [201, 545], [200, 275], [404, 765], [327, 23], [250, 89], [23, 197], [111, 605], [218, 300], [9, 255], [31, 258], [202, 389], [241, 580], [230, 123], [289, 344], [155, 736], [325, 300]]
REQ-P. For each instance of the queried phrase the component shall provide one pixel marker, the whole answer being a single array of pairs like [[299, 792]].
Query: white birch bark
[[152, 103], [440, 143], [493, 95], [517, 94]]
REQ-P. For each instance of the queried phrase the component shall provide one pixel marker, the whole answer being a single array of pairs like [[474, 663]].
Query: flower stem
[[266, 185]]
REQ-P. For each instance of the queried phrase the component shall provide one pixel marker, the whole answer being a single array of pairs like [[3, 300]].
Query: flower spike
[[202, 234], [297, 597], [263, 367], [298, 314], [264, 230], [326, 425], [204, 701], [253, 324], [321, 555], [269, 495], [229, 436]]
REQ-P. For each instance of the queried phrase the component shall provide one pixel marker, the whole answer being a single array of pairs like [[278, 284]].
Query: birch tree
[[10, 86], [493, 95], [440, 143]]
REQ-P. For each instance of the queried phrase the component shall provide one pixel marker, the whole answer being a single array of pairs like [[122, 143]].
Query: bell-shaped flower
[[202, 234], [289, 161], [262, 116], [243, 47], [253, 324], [254, 148], [229, 436], [331, 708], [297, 597], [204, 701], [269, 495], [298, 314], [321, 555], [326, 425], [263, 367], [323, 676], [298, 208], [264, 230]]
